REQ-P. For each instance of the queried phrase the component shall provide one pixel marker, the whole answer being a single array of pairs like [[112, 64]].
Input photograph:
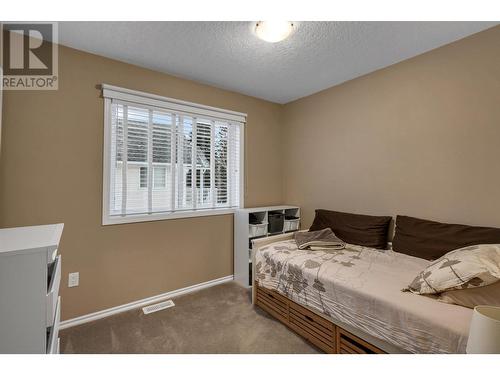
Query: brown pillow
[[483, 295], [431, 240], [355, 229]]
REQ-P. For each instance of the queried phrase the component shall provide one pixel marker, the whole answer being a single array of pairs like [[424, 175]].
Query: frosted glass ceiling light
[[273, 31]]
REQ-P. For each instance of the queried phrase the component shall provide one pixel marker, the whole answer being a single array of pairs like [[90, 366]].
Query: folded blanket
[[318, 240]]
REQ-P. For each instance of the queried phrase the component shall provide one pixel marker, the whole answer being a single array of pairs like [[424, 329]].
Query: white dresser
[[30, 273]]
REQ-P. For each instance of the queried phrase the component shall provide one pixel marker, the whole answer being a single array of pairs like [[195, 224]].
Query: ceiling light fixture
[[273, 31]]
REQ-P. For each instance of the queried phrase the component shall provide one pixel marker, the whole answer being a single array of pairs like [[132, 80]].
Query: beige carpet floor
[[220, 319]]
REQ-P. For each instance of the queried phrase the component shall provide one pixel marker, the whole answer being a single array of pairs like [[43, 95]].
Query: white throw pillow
[[468, 267]]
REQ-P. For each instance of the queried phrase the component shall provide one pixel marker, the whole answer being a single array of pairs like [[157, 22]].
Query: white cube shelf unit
[[258, 222]]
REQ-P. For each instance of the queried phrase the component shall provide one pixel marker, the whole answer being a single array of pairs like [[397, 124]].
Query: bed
[[358, 291]]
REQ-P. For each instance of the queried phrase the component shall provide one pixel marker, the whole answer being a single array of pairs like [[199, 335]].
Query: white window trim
[[170, 104], [110, 92]]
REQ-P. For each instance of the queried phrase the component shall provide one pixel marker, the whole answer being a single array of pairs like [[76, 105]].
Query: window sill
[[139, 218]]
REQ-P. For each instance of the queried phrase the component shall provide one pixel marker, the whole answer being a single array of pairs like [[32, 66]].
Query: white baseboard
[[136, 304]]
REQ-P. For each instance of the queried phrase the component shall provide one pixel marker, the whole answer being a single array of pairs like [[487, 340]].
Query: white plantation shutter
[[221, 153], [160, 161], [163, 145]]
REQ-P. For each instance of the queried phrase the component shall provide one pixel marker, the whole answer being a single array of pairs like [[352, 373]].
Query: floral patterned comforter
[[361, 287]]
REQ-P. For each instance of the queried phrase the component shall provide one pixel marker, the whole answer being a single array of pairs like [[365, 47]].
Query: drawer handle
[[309, 318], [270, 295]]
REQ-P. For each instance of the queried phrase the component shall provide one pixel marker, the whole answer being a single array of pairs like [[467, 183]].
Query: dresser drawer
[[51, 255], [53, 281], [53, 331]]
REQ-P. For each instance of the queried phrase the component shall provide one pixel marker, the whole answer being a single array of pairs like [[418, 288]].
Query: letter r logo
[[27, 49]]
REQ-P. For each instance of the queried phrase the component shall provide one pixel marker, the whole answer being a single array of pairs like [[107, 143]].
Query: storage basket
[[256, 230], [291, 225], [276, 220]]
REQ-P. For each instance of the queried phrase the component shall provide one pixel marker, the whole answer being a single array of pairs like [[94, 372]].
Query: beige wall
[[51, 171], [421, 138]]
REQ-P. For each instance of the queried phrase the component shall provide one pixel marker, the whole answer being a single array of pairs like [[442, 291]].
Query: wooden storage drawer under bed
[[314, 328], [311, 326], [347, 343], [274, 303]]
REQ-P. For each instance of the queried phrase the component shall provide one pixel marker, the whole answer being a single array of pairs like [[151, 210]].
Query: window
[[166, 158], [159, 177], [143, 177]]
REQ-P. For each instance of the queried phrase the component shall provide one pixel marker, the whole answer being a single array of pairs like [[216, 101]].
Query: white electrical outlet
[[73, 279]]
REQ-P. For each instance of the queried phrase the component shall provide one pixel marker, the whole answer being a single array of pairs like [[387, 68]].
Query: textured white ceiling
[[228, 55]]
